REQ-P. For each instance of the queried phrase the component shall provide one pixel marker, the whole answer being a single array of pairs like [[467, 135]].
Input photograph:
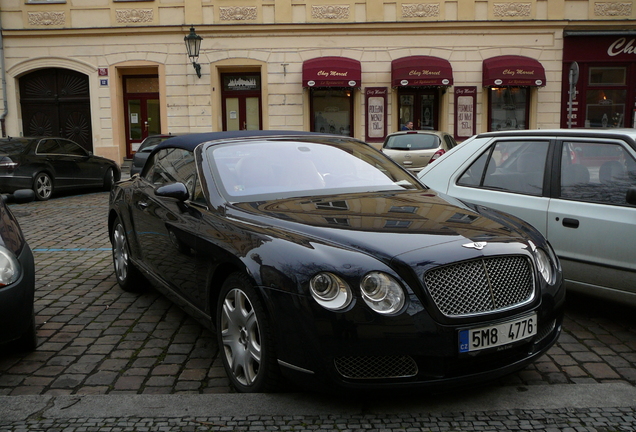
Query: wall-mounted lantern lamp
[[193, 45]]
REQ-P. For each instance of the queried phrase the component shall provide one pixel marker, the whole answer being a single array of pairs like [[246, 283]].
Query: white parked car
[[578, 187], [414, 149]]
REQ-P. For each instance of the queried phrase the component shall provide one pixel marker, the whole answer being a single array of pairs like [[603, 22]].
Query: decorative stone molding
[[502, 10], [134, 15], [613, 9], [330, 12], [420, 10], [238, 13], [47, 18]]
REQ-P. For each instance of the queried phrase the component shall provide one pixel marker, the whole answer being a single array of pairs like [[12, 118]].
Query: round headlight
[[382, 293], [9, 267], [543, 264], [330, 291]]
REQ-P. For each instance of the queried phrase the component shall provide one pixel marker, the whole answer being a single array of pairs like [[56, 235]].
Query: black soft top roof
[[191, 141]]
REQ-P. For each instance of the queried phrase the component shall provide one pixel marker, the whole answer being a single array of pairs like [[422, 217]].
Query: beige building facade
[[108, 73]]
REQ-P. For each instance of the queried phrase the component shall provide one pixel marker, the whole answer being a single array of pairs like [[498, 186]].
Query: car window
[[596, 172], [412, 141], [70, 148], [173, 165], [49, 146], [513, 166], [151, 142], [13, 146], [450, 141]]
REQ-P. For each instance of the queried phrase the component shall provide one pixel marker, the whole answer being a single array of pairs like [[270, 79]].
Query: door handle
[[570, 223], [142, 204]]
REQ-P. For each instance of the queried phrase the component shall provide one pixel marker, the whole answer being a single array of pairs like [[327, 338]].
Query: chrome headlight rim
[[382, 293], [330, 291], [544, 263], [10, 268]]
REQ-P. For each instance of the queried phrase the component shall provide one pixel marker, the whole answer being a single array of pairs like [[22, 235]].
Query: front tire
[[245, 339], [128, 276], [43, 186]]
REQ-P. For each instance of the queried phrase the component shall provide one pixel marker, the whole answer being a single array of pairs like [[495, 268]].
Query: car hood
[[385, 224]]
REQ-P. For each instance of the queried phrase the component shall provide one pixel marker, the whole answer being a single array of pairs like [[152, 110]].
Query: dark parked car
[[17, 279], [47, 164], [318, 259], [146, 146]]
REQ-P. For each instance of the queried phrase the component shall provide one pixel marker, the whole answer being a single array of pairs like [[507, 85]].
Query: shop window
[[332, 111], [605, 108], [607, 75], [605, 104], [509, 108]]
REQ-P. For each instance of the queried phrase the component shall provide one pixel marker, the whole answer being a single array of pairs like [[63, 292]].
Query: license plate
[[476, 339]]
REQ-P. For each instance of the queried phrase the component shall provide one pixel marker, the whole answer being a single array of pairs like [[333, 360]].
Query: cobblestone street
[[94, 338]]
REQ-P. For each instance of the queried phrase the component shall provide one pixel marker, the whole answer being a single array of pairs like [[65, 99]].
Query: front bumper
[[361, 350], [16, 300]]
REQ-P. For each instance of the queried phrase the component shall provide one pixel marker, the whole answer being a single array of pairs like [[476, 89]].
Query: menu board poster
[[465, 110], [376, 105]]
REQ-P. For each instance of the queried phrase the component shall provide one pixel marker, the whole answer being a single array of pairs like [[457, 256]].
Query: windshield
[[282, 168], [412, 141]]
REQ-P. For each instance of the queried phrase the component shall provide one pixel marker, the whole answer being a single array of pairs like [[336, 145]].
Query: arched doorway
[[56, 102]]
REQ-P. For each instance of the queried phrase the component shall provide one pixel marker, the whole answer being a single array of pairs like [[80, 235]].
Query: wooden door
[[56, 102]]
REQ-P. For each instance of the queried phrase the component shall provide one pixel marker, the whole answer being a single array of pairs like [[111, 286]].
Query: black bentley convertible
[[316, 258]]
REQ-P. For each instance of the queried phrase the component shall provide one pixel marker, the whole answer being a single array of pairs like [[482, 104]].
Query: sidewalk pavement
[[111, 360], [571, 408]]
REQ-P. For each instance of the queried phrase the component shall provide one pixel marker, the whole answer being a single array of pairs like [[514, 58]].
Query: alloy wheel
[[43, 186], [120, 253], [241, 338]]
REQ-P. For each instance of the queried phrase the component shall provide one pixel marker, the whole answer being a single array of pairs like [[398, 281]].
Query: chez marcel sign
[[582, 48]]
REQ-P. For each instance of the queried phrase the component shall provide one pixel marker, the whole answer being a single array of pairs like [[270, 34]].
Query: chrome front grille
[[376, 367], [481, 286]]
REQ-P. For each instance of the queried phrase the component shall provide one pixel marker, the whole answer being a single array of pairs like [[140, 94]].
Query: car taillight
[[8, 163], [436, 155]]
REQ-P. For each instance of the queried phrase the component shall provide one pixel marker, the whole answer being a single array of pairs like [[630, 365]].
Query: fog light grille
[[375, 367], [482, 285]]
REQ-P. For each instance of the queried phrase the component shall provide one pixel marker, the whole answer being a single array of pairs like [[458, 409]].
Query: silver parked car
[[578, 187], [414, 149]]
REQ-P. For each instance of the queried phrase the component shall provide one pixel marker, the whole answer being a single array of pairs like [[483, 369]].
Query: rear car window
[[412, 142], [13, 146]]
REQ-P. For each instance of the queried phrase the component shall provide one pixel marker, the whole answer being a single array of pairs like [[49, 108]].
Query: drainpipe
[[5, 106]]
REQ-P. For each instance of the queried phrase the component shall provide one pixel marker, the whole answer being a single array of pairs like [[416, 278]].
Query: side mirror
[[177, 191], [631, 195]]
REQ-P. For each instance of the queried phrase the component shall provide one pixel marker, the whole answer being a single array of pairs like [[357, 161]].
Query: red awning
[[420, 71], [332, 72], [513, 71]]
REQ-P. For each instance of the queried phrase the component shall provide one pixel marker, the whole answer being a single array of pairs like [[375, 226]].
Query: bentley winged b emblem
[[475, 245]]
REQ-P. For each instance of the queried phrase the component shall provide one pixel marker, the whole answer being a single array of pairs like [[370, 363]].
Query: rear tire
[[128, 276], [43, 186], [245, 338]]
